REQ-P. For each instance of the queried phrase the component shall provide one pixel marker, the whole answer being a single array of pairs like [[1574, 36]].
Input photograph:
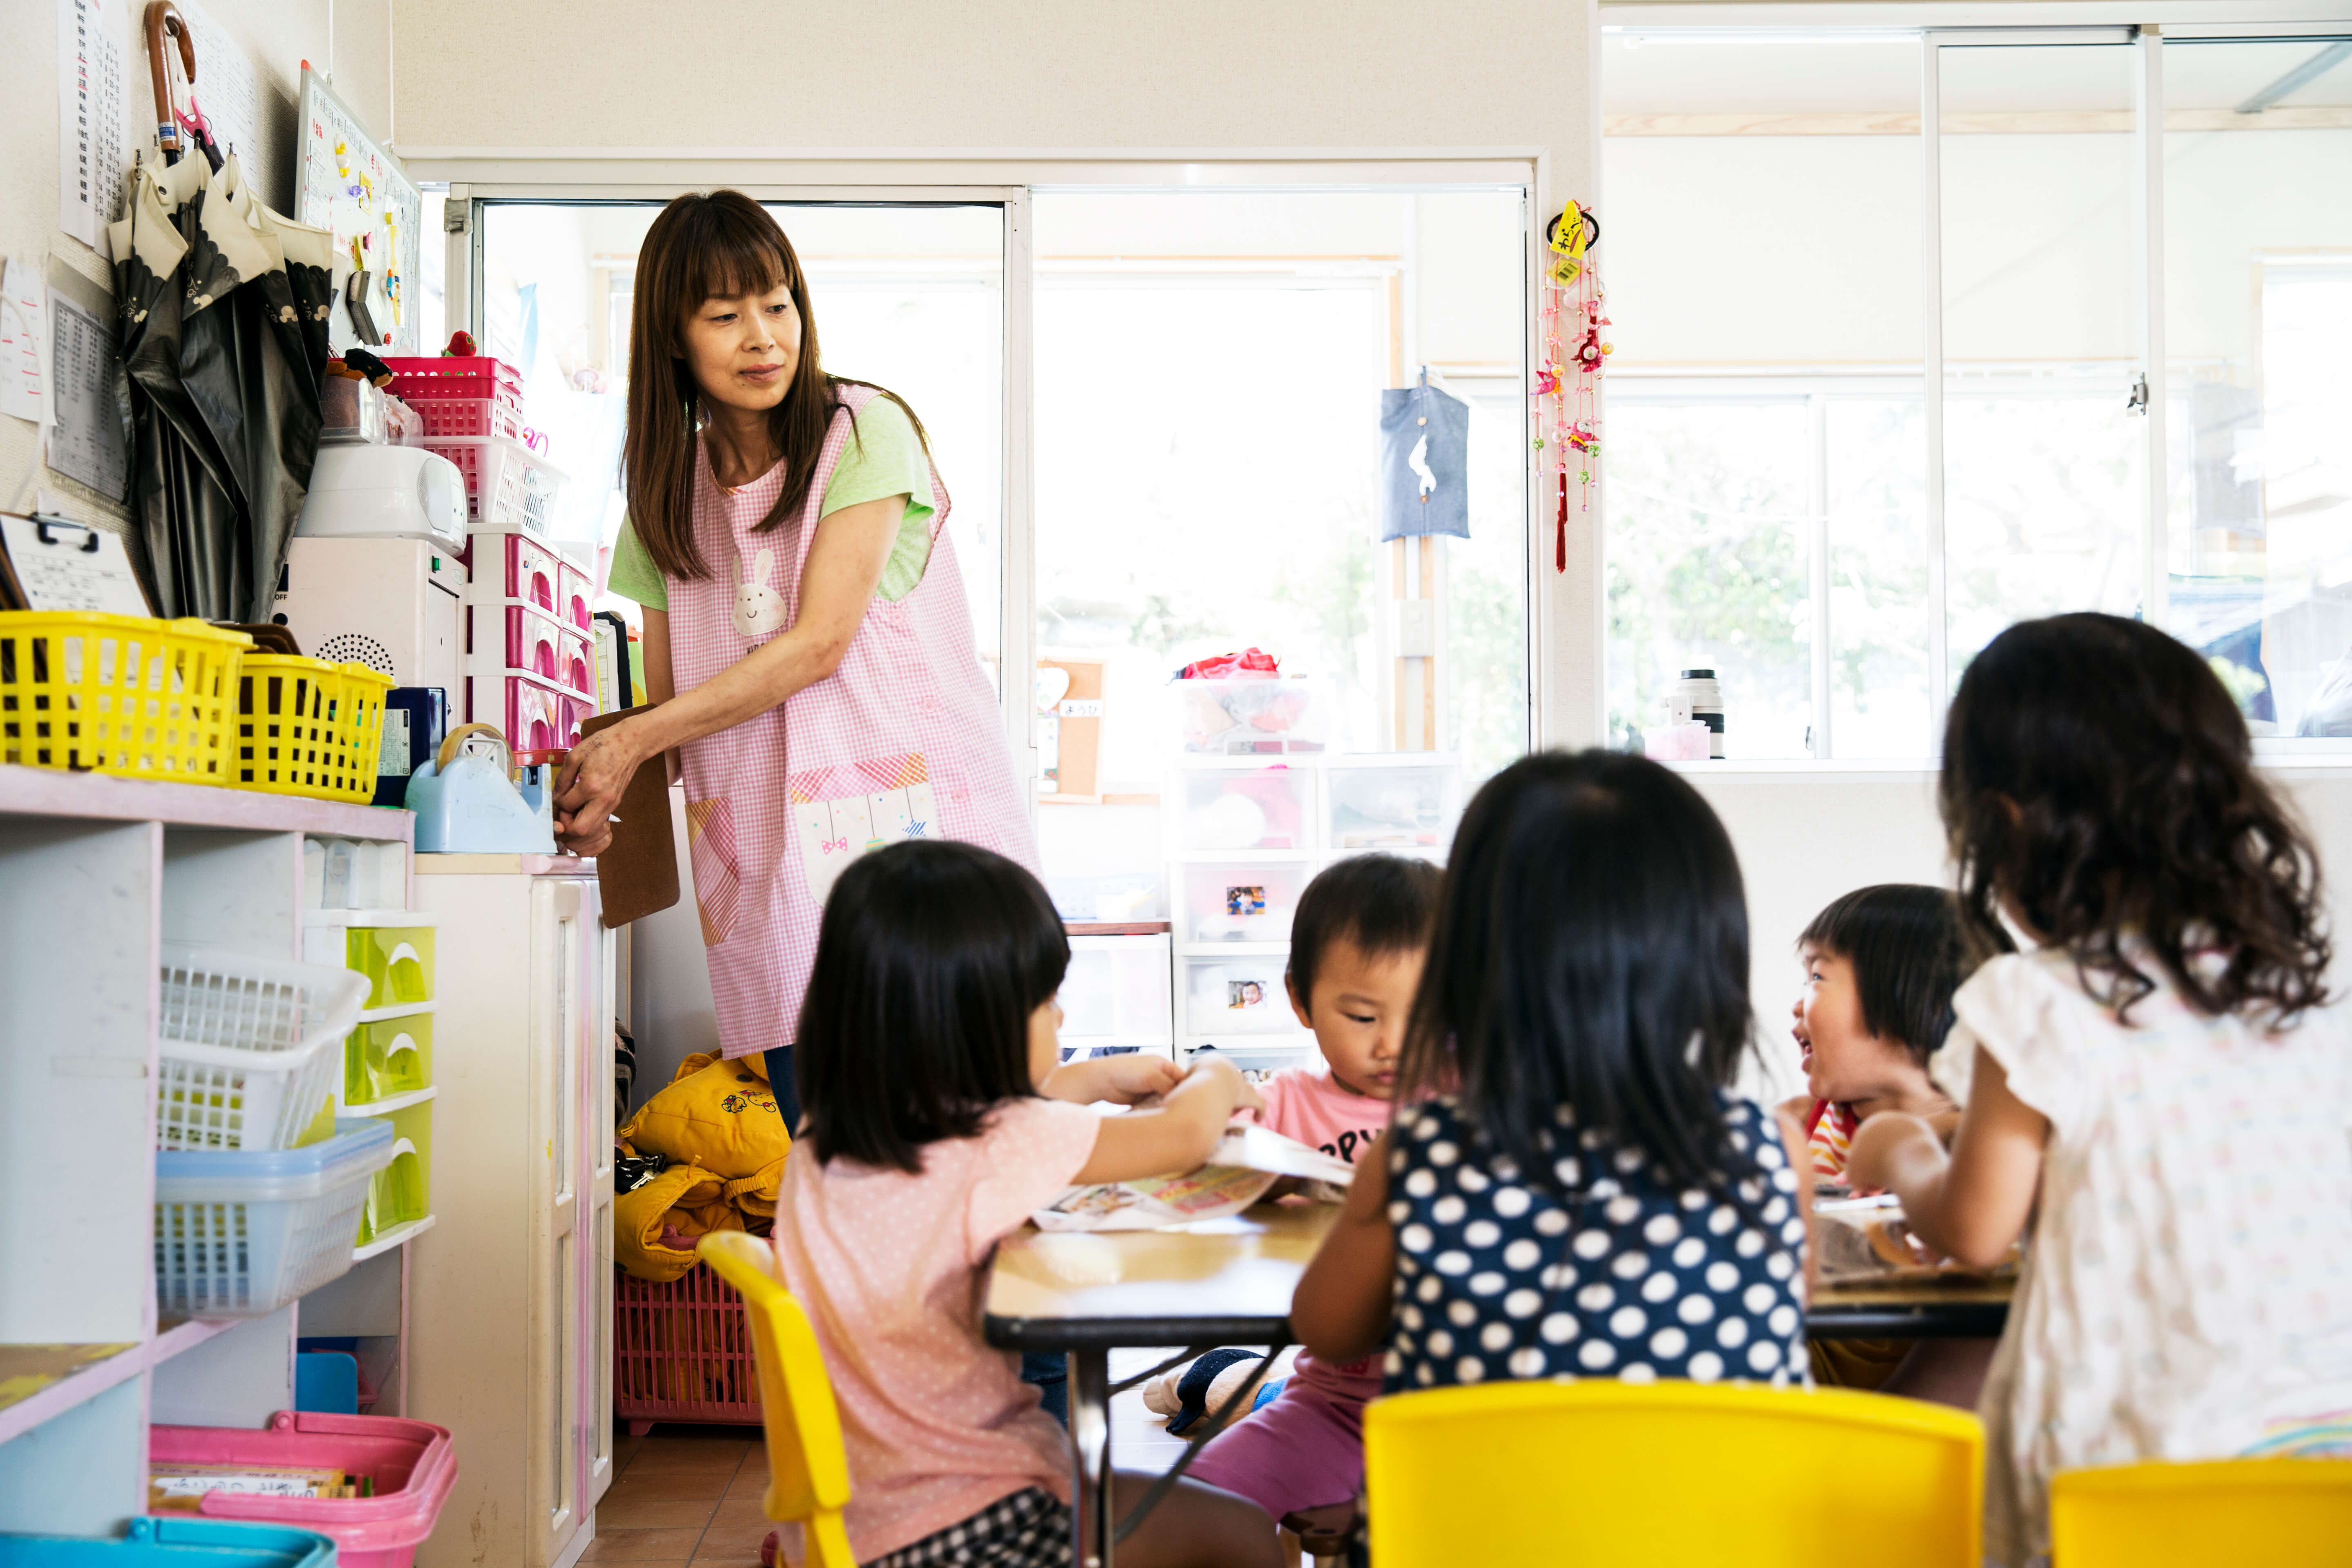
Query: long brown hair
[[2099, 781], [718, 246]]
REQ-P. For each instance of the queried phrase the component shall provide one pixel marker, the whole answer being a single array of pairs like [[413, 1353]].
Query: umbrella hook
[[163, 19]]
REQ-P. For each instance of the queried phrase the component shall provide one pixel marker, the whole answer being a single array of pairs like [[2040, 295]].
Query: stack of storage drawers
[[387, 1066], [530, 661], [1246, 836]]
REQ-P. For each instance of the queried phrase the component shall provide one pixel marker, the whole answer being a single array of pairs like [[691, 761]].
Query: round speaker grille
[[352, 647]]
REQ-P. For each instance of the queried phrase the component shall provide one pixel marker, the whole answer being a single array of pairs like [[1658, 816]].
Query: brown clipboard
[[637, 872]]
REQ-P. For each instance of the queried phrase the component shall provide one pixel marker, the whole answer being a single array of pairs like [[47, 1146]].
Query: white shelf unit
[[95, 873], [1245, 835]]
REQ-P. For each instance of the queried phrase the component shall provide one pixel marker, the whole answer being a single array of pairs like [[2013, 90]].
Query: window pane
[[2041, 500], [1876, 452], [1208, 374], [909, 297], [1744, 335], [1707, 529], [2258, 332]]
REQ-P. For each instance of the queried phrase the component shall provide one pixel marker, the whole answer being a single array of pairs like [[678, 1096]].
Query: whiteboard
[[346, 183]]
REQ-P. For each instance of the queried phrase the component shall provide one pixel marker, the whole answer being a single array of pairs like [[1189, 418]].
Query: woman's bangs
[[739, 260]]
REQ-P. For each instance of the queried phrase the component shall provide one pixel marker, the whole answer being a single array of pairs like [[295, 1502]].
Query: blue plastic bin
[[240, 1233], [175, 1544]]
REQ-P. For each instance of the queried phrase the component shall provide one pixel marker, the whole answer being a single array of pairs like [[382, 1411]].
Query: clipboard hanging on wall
[[50, 564]]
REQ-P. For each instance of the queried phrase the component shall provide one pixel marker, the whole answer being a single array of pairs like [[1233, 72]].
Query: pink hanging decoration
[[1566, 412]]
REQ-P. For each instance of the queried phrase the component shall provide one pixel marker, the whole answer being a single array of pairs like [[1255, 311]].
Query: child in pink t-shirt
[[1355, 948], [936, 1121]]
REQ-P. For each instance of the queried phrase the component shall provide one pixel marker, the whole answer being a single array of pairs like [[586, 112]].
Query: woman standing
[[806, 640]]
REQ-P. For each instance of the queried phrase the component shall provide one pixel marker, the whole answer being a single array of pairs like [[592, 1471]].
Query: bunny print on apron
[[902, 741]]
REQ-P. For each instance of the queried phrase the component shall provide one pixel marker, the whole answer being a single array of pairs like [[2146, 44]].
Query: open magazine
[[1244, 1166]]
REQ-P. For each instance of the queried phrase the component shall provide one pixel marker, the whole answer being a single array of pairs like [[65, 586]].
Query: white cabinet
[[95, 872], [512, 1342]]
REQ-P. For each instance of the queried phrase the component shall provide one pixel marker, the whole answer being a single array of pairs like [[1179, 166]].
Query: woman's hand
[[595, 775]]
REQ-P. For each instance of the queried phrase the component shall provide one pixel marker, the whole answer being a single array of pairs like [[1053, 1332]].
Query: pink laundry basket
[[411, 1462], [682, 1352]]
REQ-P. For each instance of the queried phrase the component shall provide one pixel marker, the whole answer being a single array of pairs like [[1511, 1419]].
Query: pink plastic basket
[[682, 1352], [412, 1464], [472, 416], [447, 375]]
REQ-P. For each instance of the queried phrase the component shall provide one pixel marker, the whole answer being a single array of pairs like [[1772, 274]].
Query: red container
[[549, 649], [574, 593], [471, 416], [412, 1464], [535, 716], [682, 1352], [532, 573], [446, 375]]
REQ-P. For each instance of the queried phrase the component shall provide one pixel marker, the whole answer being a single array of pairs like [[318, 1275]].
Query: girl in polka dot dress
[[1580, 1194]]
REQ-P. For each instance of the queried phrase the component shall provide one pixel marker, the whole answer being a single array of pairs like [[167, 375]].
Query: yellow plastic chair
[[2248, 1513], [808, 1471], [1669, 1475]]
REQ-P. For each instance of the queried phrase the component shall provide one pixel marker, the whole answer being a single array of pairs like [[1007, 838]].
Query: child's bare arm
[[1971, 1204], [1174, 1137], [1341, 1310], [1801, 1161], [1126, 1079]]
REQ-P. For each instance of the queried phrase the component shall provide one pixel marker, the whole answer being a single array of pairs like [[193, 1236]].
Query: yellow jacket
[[718, 1124]]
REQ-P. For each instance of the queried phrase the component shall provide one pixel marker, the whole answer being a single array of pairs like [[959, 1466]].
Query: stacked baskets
[[118, 694], [246, 1220], [184, 702]]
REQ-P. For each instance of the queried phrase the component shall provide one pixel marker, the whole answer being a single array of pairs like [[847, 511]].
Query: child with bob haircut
[[1881, 965], [2154, 1092], [1571, 1188], [936, 1118], [1356, 947]]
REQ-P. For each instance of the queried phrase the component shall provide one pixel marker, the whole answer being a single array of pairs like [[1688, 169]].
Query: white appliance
[[367, 491], [389, 604]]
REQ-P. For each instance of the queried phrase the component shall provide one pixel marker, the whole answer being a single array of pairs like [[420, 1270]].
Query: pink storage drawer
[[534, 574], [535, 716], [574, 595], [412, 1464], [537, 642]]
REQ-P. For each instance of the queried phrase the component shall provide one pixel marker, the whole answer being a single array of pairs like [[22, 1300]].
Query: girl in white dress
[[2157, 1068]]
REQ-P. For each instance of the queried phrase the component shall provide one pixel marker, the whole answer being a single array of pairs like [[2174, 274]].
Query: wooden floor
[[688, 1497]]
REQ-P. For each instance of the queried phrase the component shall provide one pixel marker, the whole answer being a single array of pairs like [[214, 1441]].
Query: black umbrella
[[241, 359], [309, 255], [182, 507]]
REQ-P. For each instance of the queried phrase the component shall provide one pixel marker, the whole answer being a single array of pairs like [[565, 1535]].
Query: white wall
[[1804, 837], [277, 35]]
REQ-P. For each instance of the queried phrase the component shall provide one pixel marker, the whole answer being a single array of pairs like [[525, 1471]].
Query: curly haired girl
[[2155, 1066]]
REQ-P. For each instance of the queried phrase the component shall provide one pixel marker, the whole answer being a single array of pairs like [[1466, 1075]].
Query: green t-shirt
[[885, 458]]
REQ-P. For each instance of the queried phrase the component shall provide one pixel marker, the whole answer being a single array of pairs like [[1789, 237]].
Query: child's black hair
[[1384, 904], [2099, 787], [1590, 957], [930, 958], [1903, 939]]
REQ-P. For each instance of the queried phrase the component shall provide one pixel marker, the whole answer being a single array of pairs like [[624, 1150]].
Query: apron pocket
[[718, 870], [841, 812]]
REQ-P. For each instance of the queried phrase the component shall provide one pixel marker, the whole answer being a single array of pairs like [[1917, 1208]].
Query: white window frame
[[2142, 26], [475, 177]]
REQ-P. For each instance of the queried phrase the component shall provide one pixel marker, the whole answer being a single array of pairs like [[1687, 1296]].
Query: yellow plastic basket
[[119, 694], [308, 727]]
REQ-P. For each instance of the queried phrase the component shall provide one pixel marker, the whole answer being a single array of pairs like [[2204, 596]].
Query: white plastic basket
[[248, 1054], [240, 1235]]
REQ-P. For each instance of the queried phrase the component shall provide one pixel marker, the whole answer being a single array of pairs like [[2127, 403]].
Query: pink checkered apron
[[904, 741]]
